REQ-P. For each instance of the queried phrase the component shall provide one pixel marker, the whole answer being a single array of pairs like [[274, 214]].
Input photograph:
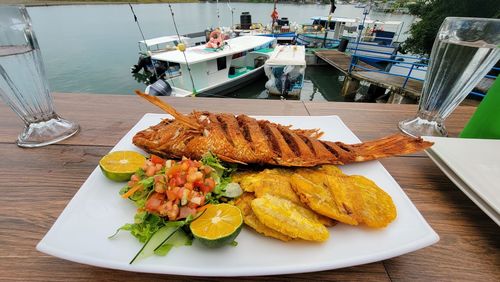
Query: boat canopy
[[355, 20], [162, 40], [200, 53], [286, 55]]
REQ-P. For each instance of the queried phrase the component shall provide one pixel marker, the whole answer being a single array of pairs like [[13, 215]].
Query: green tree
[[433, 12]]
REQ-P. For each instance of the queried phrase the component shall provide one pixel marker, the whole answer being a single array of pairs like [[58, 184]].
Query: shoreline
[[92, 2], [42, 3]]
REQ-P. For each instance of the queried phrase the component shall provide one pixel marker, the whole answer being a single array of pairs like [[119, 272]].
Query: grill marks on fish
[[243, 139]]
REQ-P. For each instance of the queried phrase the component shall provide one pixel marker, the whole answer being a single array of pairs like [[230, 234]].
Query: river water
[[90, 48]]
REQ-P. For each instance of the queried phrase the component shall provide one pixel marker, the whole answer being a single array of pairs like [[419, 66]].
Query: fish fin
[[170, 110], [397, 144]]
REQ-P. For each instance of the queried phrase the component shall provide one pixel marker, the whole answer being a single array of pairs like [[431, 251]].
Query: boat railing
[[413, 66]]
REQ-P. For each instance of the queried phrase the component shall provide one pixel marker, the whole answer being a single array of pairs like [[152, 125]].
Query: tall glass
[[23, 84], [464, 51]]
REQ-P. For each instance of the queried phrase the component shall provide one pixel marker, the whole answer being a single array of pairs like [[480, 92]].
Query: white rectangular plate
[[474, 166], [81, 232]]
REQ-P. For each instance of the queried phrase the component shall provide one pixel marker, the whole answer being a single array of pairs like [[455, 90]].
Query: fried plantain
[[250, 219], [276, 182], [371, 205], [288, 218], [320, 198], [348, 199]]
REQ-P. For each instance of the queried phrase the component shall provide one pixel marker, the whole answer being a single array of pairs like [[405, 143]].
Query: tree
[[433, 12]]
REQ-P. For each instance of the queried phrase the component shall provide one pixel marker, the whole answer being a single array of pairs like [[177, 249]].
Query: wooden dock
[[412, 89], [341, 61]]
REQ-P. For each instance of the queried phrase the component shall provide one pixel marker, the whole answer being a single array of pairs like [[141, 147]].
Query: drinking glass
[[464, 51], [23, 84]]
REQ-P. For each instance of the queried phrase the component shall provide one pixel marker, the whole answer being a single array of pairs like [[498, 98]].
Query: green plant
[[433, 12]]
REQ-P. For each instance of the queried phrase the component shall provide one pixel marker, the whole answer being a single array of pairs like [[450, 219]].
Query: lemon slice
[[120, 165], [218, 225]]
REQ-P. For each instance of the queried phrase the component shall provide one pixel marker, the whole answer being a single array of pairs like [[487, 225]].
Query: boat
[[285, 70], [378, 39], [215, 71], [281, 29], [147, 71]]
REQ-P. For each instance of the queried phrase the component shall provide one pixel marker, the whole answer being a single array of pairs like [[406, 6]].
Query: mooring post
[[349, 87]]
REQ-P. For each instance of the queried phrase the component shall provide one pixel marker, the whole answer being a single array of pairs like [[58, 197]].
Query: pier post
[[398, 97], [349, 87]]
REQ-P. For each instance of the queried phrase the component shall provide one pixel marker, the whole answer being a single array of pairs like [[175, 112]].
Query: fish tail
[[397, 144]]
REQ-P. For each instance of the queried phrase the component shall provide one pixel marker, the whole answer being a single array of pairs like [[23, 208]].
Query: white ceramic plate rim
[[466, 189], [428, 237]]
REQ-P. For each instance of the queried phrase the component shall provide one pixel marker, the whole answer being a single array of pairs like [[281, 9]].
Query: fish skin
[[245, 140], [242, 139]]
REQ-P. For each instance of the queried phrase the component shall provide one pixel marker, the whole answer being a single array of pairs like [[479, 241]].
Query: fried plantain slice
[[371, 205], [250, 219], [348, 199], [330, 170], [246, 180], [288, 218], [276, 182], [319, 197]]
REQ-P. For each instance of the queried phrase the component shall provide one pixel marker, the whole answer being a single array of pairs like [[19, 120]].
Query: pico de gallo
[[172, 192]]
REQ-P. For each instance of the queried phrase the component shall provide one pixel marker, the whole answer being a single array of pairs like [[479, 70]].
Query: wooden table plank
[[56, 174], [468, 249], [104, 119], [371, 121], [449, 212]]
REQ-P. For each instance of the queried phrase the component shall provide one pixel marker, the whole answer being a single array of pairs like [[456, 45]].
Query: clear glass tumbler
[[464, 51], [23, 83]]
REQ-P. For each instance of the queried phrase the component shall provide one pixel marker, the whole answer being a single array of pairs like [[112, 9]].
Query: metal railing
[[417, 65]]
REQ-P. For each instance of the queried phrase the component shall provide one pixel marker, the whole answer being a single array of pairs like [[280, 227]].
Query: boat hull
[[231, 85]]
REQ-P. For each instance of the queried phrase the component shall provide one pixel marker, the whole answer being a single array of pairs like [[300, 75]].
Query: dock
[[410, 92], [341, 61]]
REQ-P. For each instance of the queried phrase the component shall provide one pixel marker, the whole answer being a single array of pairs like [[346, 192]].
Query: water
[[22, 83], [455, 68], [90, 48], [320, 84]]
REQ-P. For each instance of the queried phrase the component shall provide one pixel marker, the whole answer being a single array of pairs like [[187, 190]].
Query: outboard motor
[[160, 88], [142, 63], [285, 84]]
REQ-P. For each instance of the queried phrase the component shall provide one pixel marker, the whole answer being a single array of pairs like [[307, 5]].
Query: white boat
[[377, 40], [214, 71], [285, 70]]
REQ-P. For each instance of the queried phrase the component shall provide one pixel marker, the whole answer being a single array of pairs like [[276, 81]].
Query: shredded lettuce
[[222, 177], [144, 226]]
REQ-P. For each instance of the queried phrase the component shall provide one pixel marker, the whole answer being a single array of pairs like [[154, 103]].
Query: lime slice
[[218, 225], [121, 165]]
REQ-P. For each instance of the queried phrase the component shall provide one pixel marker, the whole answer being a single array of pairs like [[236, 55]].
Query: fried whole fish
[[245, 140]]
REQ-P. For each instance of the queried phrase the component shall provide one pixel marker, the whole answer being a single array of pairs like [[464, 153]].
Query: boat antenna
[[366, 11], [332, 10], [182, 49], [143, 38], [218, 14], [232, 12]]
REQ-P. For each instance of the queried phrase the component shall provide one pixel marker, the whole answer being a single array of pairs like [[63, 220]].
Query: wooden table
[[38, 183]]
